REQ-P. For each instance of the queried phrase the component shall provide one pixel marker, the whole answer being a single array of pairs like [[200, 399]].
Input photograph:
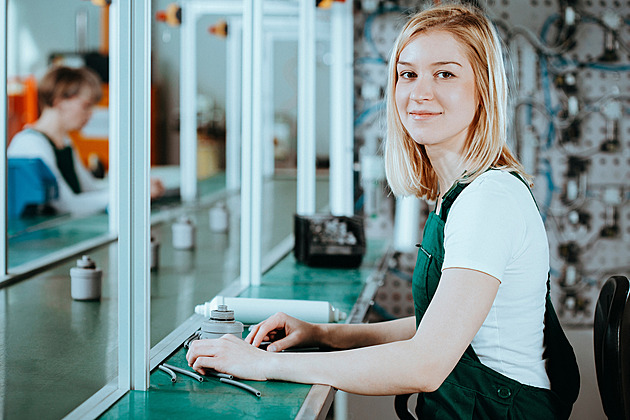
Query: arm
[[419, 364], [87, 181], [285, 331]]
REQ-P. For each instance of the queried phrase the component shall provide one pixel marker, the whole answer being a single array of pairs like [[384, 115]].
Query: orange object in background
[[172, 15], [21, 104]]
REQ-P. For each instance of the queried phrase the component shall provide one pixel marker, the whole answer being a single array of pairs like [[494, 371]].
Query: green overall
[[473, 390]]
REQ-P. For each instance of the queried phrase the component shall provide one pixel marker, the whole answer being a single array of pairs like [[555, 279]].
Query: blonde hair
[[407, 165], [62, 82]]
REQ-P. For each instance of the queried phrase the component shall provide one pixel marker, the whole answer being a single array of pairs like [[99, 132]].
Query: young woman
[[484, 342], [66, 98]]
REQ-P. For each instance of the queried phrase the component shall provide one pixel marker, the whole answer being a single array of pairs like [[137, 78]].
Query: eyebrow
[[438, 63]]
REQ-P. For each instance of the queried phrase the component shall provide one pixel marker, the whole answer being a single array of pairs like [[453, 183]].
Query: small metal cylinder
[[218, 218], [183, 233], [85, 280], [221, 322]]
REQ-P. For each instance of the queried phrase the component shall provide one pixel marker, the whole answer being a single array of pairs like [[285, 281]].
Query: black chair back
[[611, 332]]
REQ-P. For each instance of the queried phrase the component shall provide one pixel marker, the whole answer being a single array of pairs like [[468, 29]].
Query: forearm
[[393, 368], [348, 336]]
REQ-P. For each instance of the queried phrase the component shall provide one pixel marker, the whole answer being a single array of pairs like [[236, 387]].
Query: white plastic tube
[[252, 310]]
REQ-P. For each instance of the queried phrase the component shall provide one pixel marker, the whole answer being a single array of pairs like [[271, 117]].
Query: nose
[[422, 90]]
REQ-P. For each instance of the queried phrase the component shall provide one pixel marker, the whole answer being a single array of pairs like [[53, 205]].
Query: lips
[[423, 115]]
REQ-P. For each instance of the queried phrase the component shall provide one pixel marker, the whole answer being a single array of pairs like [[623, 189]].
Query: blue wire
[[376, 60], [367, 112], [550, 189]]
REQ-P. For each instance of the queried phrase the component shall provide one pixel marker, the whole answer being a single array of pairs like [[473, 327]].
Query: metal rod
[[188, 107], [4, 255], [220, 375], [306, 110], [169, 371], [184, 372], [242, 385]]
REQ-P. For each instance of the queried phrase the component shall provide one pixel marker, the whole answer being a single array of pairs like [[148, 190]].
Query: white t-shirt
[[494, 227], [94, 194]]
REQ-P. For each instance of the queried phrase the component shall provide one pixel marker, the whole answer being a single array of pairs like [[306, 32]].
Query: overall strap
[[449, 199], [65, 164]]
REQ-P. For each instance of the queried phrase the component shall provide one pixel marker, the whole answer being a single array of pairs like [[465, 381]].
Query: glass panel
[[42, 328], [186, 276], [57, 158]]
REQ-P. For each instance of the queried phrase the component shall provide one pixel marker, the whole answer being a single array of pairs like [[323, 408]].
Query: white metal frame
[[341, 110], [192, 10], [306, 110], [132, 70], [4, 255]]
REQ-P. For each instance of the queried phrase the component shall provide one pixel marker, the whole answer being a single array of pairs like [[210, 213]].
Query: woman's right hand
[[284, 332]]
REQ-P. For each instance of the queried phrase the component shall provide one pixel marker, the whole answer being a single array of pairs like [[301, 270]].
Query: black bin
[[324, 240]]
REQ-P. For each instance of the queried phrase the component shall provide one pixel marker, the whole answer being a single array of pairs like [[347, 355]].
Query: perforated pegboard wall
[[569, 69]]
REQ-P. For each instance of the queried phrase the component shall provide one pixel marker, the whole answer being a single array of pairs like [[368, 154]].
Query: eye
[[406, 74], [444, 75]]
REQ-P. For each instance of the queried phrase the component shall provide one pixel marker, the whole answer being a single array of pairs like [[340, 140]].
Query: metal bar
[[98, 403], [306, 110], [26, 270], [233, 106], [341, 129], [132, 36], [188, 106], [120, 128], [268, 157], [247, 142], [348, 111], [140, 196], [4, 243], [251, 178], [257, 145], [235, 7]]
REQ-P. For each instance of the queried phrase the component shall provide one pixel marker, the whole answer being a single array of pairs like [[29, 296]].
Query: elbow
[[431, 380], [432, 384]]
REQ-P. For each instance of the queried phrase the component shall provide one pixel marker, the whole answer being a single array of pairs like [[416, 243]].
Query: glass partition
[[57, 162]]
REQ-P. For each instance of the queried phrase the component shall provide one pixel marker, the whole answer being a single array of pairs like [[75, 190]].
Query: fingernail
[[271, 348]]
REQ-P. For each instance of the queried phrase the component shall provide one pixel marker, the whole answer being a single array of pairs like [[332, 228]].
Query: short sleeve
[[485, 227]]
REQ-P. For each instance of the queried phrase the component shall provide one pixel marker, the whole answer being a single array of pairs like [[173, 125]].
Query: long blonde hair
[[407, 165]]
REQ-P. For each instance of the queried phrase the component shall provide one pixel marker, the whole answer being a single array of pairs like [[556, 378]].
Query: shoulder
[[494, 198], [496, 188], [28, 141]]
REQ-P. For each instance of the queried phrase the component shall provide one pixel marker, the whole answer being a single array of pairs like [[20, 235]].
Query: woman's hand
[[284, 331], [228, 354]]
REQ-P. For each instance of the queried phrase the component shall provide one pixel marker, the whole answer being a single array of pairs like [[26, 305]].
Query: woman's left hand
[[228, 354]]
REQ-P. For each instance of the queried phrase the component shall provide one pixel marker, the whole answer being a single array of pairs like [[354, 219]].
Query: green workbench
[[343, 288]]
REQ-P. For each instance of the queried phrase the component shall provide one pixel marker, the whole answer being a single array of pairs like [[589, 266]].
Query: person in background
[[485, 342], [66, 99]]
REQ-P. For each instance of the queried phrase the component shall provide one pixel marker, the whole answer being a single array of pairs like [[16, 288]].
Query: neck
[[48, 123], [448, 165]]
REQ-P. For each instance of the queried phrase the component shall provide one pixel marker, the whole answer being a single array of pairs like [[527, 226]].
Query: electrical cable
[[184, 372], [241, 385]]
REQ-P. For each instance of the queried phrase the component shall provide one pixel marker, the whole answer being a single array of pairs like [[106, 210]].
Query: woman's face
[[435, 91], [76, 111]]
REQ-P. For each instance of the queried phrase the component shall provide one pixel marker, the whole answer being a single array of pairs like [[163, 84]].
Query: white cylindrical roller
[[218, 218], [253, 310], [85, 280], [183, 233], [407, 224]]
